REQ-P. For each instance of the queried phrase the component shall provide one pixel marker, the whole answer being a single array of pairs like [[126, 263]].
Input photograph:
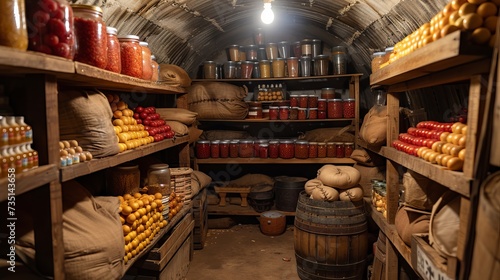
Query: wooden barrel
[[330, 239]]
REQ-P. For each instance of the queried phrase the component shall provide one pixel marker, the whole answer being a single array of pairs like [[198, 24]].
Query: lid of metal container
[[111, 30], [378, 54], [322, 56], [86, 7], [128, 37], [272, 214], [203, 141], [158, 166], [302, 142], [142, 43]]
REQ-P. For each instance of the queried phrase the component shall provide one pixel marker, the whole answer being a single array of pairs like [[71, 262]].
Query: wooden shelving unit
[[31, 179], [273, 161], [238, 210], [276, 121]]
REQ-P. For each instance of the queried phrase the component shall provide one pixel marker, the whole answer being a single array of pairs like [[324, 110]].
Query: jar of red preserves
[[294, 100], [246, 148], [284, 112], [312, 101], [215, 148], [335, 110], [147, 70], [256, 145], [91, 36], [301, 149], [330, 150], [51, 27], [302, 114], [313, 149], [303, 101], [322, 104], [313, 113], [263, 150], [273, 112], [348, 108], [274, 148], [131, 54], [348, 148], [224, 149], [234, 146], [321, 149], [287, 149], [321, 114], [339, 150], [114, 59], [294, 113], [203, 149]]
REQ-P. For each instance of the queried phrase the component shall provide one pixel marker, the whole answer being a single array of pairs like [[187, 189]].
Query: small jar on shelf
[[147, 70], [348, 149], [331, 151], [287, 149], [203, 149], [312, 113], [263, 150], [214, 148], [256, 146], [302, 114], [245, 148], [13, 24], [114, 63], [313, 149], [284, 112], [302, 149], [91, 36], [349, 108], [273, 112], [234, 146], [335, 109], [321, 149], [339, 150], [131, 56], [224, 148]]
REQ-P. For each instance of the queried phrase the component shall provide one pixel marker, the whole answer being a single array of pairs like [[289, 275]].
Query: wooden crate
[[428, 263], [200, 211]]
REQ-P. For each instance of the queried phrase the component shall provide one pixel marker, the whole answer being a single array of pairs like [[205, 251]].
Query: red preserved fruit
[[92, 42], [62, 49], [51, 40]]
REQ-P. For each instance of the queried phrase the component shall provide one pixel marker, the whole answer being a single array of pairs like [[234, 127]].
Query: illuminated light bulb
[[267, 15]]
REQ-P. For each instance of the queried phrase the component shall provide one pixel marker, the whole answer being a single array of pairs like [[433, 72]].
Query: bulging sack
[[217, 100]]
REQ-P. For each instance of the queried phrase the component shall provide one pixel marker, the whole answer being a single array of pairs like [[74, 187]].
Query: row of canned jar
[[286, 149]]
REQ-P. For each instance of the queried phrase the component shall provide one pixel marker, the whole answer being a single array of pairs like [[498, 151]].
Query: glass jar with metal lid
[[159, 176], [301, 149], [287, 149], [246, 148], [13, 32], [91, 36], [147, 71], [114, 58], [131, 54]]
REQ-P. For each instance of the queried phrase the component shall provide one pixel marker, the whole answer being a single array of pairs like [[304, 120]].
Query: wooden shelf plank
[[274, 161], [237, 210], [13, 61], [276, 121], [302, 79], [427, 261], [84, 168], [447, 52], [29, 180]]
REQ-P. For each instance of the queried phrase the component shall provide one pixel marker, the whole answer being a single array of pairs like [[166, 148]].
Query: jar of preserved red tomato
[[348, 108], [265, 113], [273, 112], [114, 60], [348, 148], [302, 114], [147, 71], [254, 113], [263, 150], [339, 149], [330, 150], [91, 36], [313, 113], [294, 100], [274, 149], [246, 148], [256, 146], [13, 25], [284, 112], [322, 104], [303, 101], [327, 93], [51, 28], [312, 101], [301, 149], [321, 149], [321, 114], [156, 69], [131, 54], [313, 149], [215, 148], [224, 149], [234, 146], [203, 149], [287, 149], [294, 113], [335, 109]]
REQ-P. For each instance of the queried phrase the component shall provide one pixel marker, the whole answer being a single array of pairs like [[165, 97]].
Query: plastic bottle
[[14, 131], [4, 129], [26, 130]]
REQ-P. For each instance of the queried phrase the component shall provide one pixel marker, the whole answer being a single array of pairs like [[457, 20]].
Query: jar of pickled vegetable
[[339, 149], [312, 101], [313, 149], [224, 149], [322, 104], [330, 150], [234, 146], [215, 148], [147, 70], [302, 149], [274, 148], [13, 24], [265, 68], [294, 113], [256, 146], [287, 149], [303, 98], [203, 149], [321, 149], [321, 114], [114, 59], [91, 36], [349, 108], [348, 148], [131, 54], [335, 109], [52, 28], [263, 150], [284, 112], [302, 114], [294, 100], [246, 148], [313, 113], [273, 112]]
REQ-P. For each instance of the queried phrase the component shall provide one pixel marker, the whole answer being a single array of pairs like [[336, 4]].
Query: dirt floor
[[242, 252]]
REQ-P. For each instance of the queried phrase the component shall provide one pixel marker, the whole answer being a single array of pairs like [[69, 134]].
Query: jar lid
[[302, 109], [335, 100], [339, 143], [234, 46], [215, 141], [312, 95], [142, 43], [158, 166], [111, 30], [263, 145], [313, 109], [321, 99], [349, 143], [321, 143], [271, 44], [284, 107], [313, 143], [301, 142], [322, 56], [247, 62], [234, 141], [231, 63], [378, 54], [284, 42], [261, 141], [303, 95], [246, 141], [293, 58], [203, 142], [252, 46], [128, 38], [209, 62], [349, 99], [294, 95], [330, 143], [86, 7], [273, 107], [273, 141], [224, 141], [286, 141], [328, 88], [306, 41], [264, 61]]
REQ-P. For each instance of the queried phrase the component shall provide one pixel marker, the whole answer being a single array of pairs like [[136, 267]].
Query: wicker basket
[[180, 179]]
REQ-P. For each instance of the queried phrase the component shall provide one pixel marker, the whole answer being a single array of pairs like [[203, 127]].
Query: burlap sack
[[421, 192], [249, 180], [367, 158], [216, 100], [444, 224], [374, 127], [224, 135], [194, 133], [367, 174], [331, 134], [409, 222], [93, 235], [85, 116], [173, 75], [179, 128], [199, 180], [177, 114]]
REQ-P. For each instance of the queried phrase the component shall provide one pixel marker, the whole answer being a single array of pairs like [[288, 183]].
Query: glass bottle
[[147, 70], [159, 175], [26, 133], [114, 60], [131, 55], [91, 36], [14, 131], [13, 24], [4, 141]]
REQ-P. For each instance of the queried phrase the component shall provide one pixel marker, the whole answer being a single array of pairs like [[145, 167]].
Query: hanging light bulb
[[267, 15]]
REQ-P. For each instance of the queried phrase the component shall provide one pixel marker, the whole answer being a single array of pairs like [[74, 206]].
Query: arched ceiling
[[188, 32]]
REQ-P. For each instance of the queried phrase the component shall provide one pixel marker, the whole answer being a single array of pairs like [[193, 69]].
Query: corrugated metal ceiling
[[188, 32]]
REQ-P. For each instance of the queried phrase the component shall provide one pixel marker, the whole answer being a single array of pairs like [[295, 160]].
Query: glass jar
[[245, 148], [273, 112], [238, 70], [321, 114], [284, 49], [321, 65], [123, 178], [13, 24], [147, 71], [209, 69], [252, 52], [234, 146], [287, 149], [349, 108], [321, 149], [302, 149], [229, 70], [263, 150], [327, 93], [303, 100], [278, 65], [258, 36], [131, 55], [330, 150], [159, 176], [214, 148], [274, 147], [297, 49], [292, 64], [203, 149], [254, 113], [377, 60], [305, 66], [312, 101], [294, 113], [322, 104], [339, 60], [261, 53], [114, 60], [306, 47], [302, 114], [246, 69], [243, 53], [256, 146], [284, 112], [52, 33], [224, 149], [91, 36], [335, 109], [294, 100], [156, 69], [312, 114], [234, 53], [256, 70], [313, 149], [271, 51], [265, 113], [265, 69], [348, 148], [339, 150], [316, 48]]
